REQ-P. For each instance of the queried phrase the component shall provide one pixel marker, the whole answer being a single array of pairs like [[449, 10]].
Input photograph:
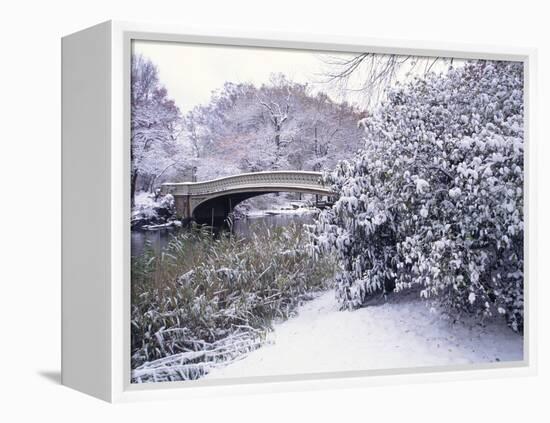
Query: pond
[[160, 238]]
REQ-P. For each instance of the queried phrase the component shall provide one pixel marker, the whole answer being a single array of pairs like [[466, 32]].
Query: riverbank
[[159, 238], [271, 204], [153, 212], [400, 333], [289, 210], [208, 299]]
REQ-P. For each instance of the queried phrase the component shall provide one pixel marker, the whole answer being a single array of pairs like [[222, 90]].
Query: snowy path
[[399, 333]]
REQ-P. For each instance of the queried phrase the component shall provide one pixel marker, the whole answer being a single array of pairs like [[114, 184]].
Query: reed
[[208, 299]]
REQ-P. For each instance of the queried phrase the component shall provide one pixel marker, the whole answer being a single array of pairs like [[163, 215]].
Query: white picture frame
[[96, 212]]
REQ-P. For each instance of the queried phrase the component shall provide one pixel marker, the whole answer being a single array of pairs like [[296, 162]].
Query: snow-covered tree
[[435, 198], [279, 125], [155, 121]]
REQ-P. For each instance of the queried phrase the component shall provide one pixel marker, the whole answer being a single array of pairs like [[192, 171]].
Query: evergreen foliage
[[434, 200]]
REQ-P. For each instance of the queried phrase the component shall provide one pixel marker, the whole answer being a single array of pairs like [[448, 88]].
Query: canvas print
[[301, 212]]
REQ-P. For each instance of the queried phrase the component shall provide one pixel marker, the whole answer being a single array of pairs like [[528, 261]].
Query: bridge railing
[[301, 178]]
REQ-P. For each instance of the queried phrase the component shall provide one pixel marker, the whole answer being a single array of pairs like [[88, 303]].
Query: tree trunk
[[152, 184], [278, 141], [133, 187], [316, 143]]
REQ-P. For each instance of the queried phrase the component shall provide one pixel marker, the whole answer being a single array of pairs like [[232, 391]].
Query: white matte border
[[122, 35]]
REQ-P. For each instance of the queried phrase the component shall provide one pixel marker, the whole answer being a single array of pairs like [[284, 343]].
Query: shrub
[[149, 209], [435, 198]]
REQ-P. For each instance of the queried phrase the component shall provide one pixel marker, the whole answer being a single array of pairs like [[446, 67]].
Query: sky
[[190, 72]]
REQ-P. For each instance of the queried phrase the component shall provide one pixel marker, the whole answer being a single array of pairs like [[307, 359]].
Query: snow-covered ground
[[399, 333], [271, 204], [283, 210], [151, 212]]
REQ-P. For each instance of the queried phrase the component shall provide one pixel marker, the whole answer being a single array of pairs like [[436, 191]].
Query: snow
[[421, 185], [402, 332], [273, 205], [173, 223], [455, 192], [151, 212], [144, 204], [297, 211]]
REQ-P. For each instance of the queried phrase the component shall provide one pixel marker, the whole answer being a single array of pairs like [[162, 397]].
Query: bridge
[[211, 201]]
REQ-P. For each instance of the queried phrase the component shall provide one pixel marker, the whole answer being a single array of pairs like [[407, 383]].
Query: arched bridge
[[212, 201]]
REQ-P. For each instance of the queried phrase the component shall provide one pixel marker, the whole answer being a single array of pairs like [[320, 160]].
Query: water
[[245, 227], [160, 238]]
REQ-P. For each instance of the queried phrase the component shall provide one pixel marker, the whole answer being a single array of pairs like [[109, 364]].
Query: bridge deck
[[289, 179], [206, 200]]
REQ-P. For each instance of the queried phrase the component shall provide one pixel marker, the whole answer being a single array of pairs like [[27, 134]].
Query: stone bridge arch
[[213, 200]]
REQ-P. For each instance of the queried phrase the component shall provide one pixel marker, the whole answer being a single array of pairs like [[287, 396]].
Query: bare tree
[[278, 114], [372, 73]]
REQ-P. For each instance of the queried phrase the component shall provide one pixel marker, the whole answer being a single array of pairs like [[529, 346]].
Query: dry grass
[[208, 291]]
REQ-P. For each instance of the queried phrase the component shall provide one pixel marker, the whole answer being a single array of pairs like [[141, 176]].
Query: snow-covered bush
[[151, 209], [435, 198]]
